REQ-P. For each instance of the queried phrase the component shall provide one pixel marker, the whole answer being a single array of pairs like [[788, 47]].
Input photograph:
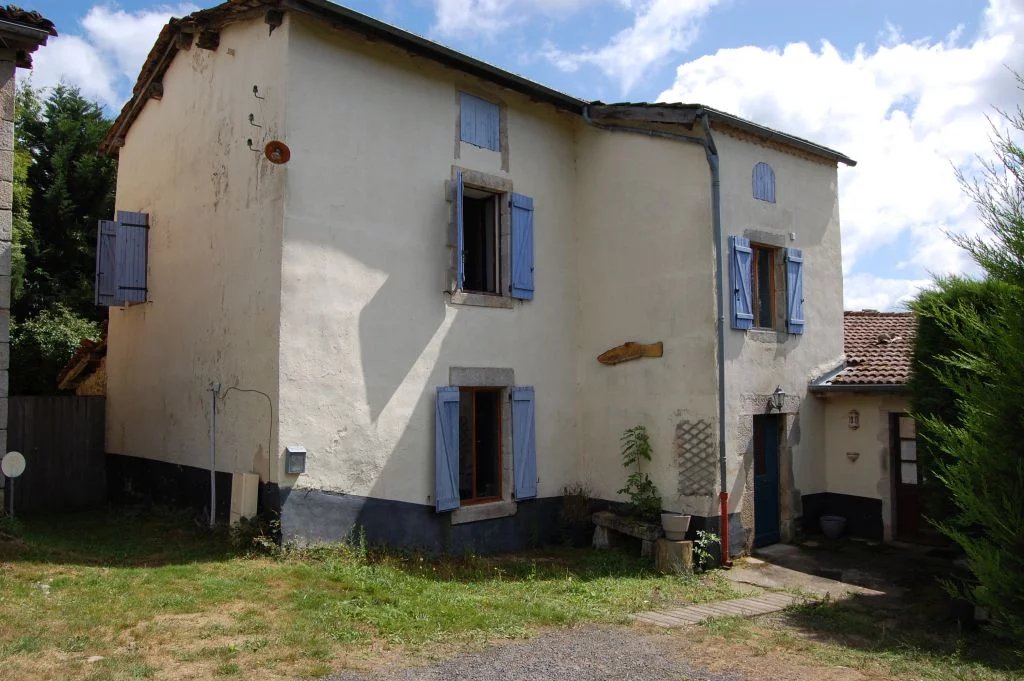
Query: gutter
[[863, 388], [711, 152]]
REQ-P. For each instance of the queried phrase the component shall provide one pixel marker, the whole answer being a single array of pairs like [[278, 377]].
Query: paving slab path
[[738, 607]]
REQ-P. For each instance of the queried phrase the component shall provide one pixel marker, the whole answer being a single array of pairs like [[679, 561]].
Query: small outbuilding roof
[[879, 348], [23, 31]]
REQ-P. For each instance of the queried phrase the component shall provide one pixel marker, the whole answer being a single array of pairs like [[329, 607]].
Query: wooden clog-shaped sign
[[629, 351]]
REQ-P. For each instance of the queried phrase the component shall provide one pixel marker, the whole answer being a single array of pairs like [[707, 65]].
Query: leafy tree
[[62, 186], [41, 345], [70, 187], [979, 435], [930, 398]]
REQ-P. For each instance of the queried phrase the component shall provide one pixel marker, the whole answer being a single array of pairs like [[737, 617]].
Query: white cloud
[[660, 28], [868, 292], [104, 60], [487, 18], [907, 111]]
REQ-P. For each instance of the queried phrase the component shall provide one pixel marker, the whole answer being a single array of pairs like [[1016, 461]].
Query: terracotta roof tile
[[878, 347]]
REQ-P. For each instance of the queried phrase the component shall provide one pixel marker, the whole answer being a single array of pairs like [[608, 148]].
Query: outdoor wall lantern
[[854, 419], [777, 399], [852, 456], [295, 460]]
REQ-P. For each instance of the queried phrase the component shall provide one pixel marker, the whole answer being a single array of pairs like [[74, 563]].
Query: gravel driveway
[[590, 653]]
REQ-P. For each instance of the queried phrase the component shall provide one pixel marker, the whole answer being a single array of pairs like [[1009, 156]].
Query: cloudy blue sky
[[903, 87]]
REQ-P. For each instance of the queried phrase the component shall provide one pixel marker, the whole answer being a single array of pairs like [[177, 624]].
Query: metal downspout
[[716, 222], [711, 152]]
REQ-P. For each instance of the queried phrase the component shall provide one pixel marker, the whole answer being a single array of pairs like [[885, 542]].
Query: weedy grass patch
[[126, 595]]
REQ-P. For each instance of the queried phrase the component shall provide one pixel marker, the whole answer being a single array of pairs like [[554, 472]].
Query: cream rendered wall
[[807, 208], [215, 211], [870, 474], [366, 332], [646, 274]]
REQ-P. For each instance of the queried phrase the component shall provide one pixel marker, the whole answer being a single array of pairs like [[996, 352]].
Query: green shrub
[[42, 345]]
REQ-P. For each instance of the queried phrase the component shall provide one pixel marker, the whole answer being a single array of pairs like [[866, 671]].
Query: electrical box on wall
[[295, 460]]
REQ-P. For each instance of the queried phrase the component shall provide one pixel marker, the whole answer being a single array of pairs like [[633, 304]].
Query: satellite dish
[[13, 464], [277, 152]]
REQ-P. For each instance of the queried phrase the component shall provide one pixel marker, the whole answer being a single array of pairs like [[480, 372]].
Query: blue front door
[[766, 480]]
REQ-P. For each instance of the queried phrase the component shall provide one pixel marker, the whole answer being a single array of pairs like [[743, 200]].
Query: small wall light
[[295, 460], [777, 399], [852, 456], [854, 419]]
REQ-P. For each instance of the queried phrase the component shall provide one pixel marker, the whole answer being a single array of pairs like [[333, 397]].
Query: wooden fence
[[62, 438]]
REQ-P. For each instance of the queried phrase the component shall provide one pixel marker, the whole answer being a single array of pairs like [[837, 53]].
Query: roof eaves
[[445, 55], [778, 136], [672, 112], [164, 49]]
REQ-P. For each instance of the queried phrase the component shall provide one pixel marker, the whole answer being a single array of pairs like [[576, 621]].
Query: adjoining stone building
[[21, 33]]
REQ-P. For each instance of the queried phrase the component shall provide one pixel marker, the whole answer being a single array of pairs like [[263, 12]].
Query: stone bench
[[607, 526]]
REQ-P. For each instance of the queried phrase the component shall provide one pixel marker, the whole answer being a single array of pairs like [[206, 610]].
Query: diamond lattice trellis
[[695, 453]]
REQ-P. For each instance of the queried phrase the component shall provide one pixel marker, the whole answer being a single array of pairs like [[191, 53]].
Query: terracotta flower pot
[[675, 526]]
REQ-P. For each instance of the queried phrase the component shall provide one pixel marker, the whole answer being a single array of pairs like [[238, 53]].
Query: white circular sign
[[13, 464]]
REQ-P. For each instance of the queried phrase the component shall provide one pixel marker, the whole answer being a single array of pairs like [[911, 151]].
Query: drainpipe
[[214, 390], [711, 152]]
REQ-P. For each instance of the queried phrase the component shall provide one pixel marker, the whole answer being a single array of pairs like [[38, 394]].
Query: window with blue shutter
[[446, 449], [106, 279], [795, 290], [524, 443], [764, 182], [132, 242], [522, 247], [479, 122], [122, 248], [741, 305]]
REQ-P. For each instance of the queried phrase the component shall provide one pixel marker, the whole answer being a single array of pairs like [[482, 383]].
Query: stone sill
[[478, 512], [481, 300]]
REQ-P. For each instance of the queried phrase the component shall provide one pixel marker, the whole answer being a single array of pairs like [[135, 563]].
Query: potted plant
[[644, 500]]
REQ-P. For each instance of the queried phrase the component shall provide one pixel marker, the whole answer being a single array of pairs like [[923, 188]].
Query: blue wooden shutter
[[446, 449], [132, 246], [479, 122], [739, 282], [764, 182], [524, 443], [522, 247], [106, 276], [460, 233], [795, 290]]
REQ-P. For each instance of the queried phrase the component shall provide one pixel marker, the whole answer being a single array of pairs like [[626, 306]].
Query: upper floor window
[[122, 247], [764, 182], [763, 286], [759, 283], [491, 241], [479, 122]]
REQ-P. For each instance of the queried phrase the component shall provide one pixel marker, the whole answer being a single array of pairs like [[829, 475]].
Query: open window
[[476, 430], [763, 285], [491, 237], [480, 455], [767, 285], [481, 243]]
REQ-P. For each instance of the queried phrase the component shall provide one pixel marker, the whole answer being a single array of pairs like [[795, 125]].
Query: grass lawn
[[863, 637], [157, 597]]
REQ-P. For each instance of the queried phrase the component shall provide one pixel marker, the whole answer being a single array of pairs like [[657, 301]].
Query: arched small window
[[764, 182]]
